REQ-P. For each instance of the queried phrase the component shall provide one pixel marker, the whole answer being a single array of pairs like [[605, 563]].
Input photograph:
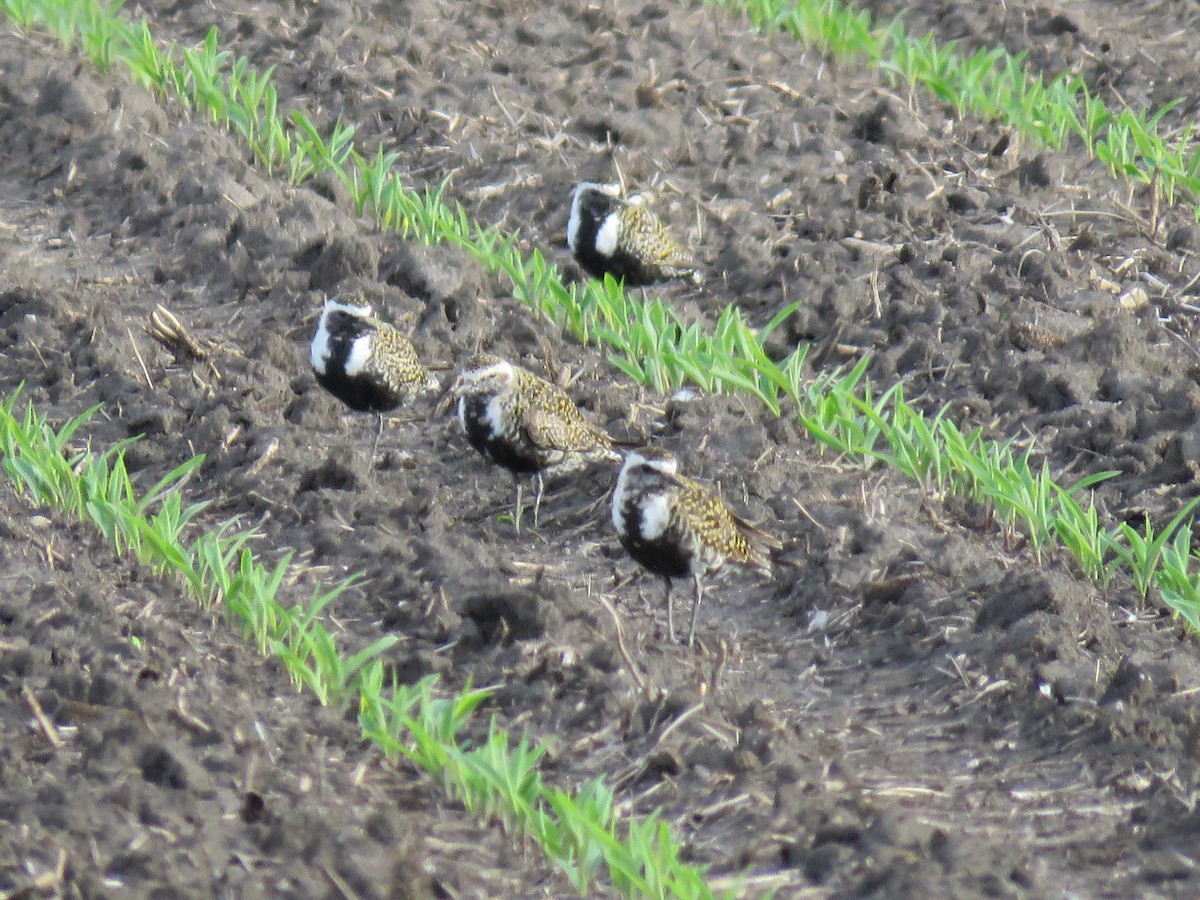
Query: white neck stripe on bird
[[668, 465]]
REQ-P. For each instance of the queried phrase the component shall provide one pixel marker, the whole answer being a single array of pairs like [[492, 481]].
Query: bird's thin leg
[[695, 609], [375, 446], [537, 500], [517, 508], [670, 613]]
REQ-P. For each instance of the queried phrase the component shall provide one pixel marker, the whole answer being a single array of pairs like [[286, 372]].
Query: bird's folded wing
[[729, 533], [560, 429], [645, 230], [703, 513]]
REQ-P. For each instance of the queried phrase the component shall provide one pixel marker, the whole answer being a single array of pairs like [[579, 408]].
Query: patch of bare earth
[[909, 708]]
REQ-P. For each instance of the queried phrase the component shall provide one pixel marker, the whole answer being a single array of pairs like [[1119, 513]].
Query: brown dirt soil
[[910, 708]]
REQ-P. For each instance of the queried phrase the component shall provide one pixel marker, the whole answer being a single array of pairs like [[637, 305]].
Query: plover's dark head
[[651, 458], [484, 375], [333, 306], [322, 343], [651, 504], [593, 202]]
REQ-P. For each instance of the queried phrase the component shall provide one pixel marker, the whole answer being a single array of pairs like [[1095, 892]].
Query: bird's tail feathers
[[764, 546]]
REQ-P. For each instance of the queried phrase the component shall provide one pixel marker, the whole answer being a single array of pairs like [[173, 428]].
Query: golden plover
[[366, 363], [609, 233], [675, 528], [525, 424]]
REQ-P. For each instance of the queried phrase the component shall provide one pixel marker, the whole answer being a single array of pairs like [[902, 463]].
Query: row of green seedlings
[[646, 861], [647, 339], [653, 346], [498, 780], [994, 84], [842, 413], [218, 568]]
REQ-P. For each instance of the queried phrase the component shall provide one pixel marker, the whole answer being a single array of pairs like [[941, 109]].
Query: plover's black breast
[[650, 533], [490, 430]]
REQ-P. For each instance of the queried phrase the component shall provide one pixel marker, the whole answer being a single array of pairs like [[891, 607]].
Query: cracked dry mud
[[913, 709]]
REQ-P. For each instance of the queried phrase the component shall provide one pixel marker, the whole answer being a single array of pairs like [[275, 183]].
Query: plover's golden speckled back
[[676, 529], [525, 424]]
